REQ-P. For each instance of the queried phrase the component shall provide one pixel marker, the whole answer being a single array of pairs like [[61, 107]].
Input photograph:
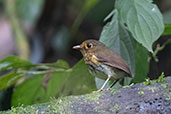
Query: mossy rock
[[136, 99]]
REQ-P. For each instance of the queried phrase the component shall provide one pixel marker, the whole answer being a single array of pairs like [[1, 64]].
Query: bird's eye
[[89, 45]]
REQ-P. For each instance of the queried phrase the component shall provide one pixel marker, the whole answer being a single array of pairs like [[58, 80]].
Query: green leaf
[[116, 37], [142, 18], [142, 65], [41, 88], [14, 62], [27, 92], [167, 30], [9, 79]]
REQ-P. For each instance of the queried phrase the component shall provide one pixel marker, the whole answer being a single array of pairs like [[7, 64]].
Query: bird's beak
[[78, 47]]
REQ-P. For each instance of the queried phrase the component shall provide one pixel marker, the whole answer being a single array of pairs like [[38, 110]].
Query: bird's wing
[[113, 59]]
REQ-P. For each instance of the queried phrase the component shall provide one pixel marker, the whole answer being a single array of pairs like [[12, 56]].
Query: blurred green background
[[44, 31]]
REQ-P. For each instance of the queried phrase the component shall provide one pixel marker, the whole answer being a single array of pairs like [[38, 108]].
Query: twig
[[159, 48]]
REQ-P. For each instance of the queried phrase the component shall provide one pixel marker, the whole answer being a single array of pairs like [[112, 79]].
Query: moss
[[60, 105], [56, 106], [165, 85], [140, 92], [147, 81], [22, 109], [153, 89], [168, 94], [116, 107], [99, 111], [94, 96], [114, 91], [161, 78]]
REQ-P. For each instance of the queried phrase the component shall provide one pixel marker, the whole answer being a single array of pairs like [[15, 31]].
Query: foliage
[[46, 80], [133, 19], [167, 30], [143, 19], [161, 78], [115, 36], [147, 81], [131, 29]]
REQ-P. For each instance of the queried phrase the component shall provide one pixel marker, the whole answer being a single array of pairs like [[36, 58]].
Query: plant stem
[[21, 40]]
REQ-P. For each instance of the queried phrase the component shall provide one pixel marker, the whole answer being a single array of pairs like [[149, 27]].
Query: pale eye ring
[[89, 45]]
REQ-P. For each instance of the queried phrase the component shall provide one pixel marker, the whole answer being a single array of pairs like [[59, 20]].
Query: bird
[[103, 62]]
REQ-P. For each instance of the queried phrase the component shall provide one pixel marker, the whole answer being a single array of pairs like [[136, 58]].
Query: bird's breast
[[103, 71], [88, 58]]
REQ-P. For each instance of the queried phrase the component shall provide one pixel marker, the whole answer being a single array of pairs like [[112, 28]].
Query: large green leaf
[[17, 67], [27, 92], [41, 88], [142, 18], [142, 65], [116, 37]]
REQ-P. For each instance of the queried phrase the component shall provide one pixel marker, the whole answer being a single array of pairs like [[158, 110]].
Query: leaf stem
[[159, 48]]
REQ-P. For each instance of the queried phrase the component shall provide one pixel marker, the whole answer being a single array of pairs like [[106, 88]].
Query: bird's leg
[[105, 83], [114, 83]]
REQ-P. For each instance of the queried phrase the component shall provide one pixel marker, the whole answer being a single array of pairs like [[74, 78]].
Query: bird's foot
[[100, 90]]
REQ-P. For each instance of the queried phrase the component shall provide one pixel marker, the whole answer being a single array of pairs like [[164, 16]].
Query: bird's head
[[89, 46]]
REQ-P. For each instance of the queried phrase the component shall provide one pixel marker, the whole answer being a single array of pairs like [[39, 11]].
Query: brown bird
[[103, 62]]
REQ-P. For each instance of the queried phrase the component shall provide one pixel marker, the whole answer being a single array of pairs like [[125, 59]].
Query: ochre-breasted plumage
[[103, 62]]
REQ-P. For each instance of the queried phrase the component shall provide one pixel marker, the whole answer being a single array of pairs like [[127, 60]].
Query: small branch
[[160, 48]]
